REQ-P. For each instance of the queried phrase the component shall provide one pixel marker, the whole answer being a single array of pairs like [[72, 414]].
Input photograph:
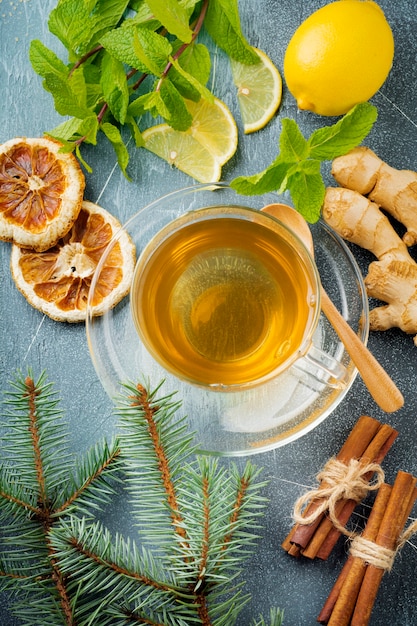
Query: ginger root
[[360, 221], [394, 282], [393, 277], [393, 190]]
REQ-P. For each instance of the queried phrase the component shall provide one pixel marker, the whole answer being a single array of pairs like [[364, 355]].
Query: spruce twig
[[34, 467], [194, 518]]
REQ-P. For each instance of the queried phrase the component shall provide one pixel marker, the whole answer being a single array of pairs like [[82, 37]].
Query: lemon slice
[[182, 151], [259, 91], [214, 127], [201, 150], [57, 281]]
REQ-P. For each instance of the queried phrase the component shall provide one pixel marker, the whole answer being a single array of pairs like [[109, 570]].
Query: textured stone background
[[29, 339]]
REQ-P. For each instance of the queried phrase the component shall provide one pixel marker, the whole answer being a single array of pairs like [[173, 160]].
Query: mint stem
[[139, 82], [84, 58], [197, 28]]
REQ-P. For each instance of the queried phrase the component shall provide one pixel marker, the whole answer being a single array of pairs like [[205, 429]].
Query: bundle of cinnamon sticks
[[352, 598], [368, 442]]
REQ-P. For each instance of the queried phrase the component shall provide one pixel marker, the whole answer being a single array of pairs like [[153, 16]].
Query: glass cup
[[234, 416], [228, 297]]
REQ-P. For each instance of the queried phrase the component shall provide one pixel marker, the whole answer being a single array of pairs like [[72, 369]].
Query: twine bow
[[377, 555], [339, 481]]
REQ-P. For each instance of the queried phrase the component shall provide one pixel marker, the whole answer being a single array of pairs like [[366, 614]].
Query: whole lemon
[[339, 56]]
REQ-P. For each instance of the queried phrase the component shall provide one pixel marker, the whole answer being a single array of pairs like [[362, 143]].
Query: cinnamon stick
[[356, 443], [375, 453], [402, 498], [369, 442], [340, 603], [352, 598]]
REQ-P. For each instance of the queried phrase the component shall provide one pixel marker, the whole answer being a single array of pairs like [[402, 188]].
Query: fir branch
[[32, 391], [31, 475], [14, 496], [70, 570], [115, 571], [32, 415], [275, 616], [90, 486], [155, 443], [209, 507]]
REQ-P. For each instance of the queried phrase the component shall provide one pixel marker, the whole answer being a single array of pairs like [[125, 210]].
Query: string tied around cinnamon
[[339, 481], [380, 556], [372, 553]]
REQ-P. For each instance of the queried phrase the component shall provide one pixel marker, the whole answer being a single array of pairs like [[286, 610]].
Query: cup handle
[[318, 369]]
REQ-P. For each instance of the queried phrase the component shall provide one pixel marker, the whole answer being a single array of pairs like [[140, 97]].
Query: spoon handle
[[381, 387]]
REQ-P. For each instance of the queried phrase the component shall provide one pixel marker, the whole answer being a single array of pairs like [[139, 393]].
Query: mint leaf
[[185, 87], [82, 161], [94, 91], [178, 115], [156, 105], [76, 128], [195, 60], [152, 50], [333, 141], [188, 86], [70, 22], [138, 47], [107, 15], [115, 89], [44, 61], [119, 43], [190, 70], [293, 146], [134, 129], [307, 189], [66, 100], [297, 167], [147, 102], [173, 16], [113, 135], [79, 24], [223, 25], [269, 180]]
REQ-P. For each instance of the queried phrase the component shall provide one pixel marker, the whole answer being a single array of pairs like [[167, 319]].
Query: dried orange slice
[[57, 281], [41, 192]]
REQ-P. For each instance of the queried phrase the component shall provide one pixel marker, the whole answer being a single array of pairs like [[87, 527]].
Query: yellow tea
[[223, 301]]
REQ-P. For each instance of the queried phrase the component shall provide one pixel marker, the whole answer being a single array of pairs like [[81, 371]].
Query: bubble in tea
[[222, 301]]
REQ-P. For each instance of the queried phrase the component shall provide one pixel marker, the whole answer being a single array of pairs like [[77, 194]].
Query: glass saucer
[[240, 422]]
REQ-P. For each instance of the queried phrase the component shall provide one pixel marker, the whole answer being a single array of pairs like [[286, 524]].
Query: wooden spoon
[[381, 387]]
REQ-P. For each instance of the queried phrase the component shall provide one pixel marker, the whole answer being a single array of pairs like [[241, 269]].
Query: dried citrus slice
[[201, 150], [57, 281], [41, 192], [259, 91]]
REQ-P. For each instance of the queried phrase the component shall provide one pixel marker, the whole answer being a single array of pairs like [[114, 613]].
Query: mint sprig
[[297, 168], [129, 57], [223, 24]]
